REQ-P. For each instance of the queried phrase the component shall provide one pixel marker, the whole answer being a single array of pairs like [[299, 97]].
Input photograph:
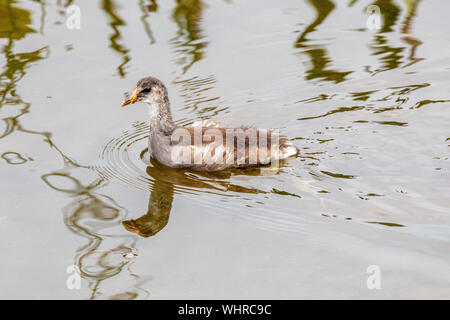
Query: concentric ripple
[[117, 164]]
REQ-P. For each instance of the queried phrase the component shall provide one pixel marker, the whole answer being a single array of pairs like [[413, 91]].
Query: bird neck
[[161, 117]]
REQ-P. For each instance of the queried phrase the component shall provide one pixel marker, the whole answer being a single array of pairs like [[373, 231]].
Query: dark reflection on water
[[90, 215], [406, 29], [165, 179], [115, 22], [14, 25], [189, 46], [390, 12], [14, 158], [15, 21], [145, 8], [393, 57], [157, 216], [188, 42], [318, 56]]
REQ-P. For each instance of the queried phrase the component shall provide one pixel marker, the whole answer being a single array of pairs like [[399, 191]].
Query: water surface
[[368, 109]]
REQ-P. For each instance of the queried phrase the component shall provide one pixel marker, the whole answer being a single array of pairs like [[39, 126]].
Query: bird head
[[149, 90]]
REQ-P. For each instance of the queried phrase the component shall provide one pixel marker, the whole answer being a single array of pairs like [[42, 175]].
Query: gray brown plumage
[[204, 147]]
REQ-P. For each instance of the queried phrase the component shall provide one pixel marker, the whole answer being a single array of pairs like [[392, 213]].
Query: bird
[[205, 146]]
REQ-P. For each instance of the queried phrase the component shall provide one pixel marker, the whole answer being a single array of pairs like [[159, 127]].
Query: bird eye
[[146, 90]]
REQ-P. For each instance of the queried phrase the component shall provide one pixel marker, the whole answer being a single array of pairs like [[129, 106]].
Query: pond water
[[368, 110]]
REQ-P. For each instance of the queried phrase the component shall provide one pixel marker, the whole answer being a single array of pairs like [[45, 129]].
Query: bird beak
[[132, 99]]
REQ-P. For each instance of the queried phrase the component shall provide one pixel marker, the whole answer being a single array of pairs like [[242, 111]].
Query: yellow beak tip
[[132, 99]]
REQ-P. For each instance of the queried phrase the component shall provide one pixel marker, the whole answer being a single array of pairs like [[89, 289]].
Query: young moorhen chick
[[204, 147]]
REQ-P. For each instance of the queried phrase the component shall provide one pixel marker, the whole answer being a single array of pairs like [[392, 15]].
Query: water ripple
[[116, 161]]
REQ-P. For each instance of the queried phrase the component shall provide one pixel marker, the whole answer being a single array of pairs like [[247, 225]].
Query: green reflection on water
[[187, 14], [14, 25], [89, 215], [387, 224], [13, 158], [115, 22], [86, 205], [14, 21], [318, 56]]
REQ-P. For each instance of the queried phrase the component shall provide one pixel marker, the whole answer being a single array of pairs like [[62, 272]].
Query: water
[[368, 109]]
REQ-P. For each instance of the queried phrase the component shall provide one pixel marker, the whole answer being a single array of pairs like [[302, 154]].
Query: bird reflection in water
[[169, 180]]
